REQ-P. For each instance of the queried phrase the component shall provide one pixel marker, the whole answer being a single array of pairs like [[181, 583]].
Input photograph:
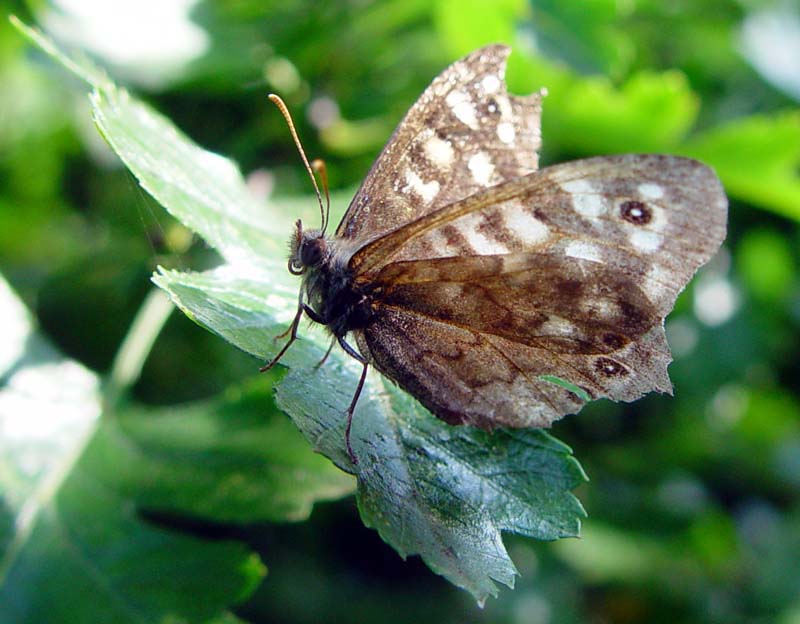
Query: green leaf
[[444, 493], [757, 158], [88, 557], [200, 195], [766, 264], [231, 460], [78, 550], [588, 36], [649, 112], [246, 311], [441, 492], [584, 115], [462, 23], [611, 555]]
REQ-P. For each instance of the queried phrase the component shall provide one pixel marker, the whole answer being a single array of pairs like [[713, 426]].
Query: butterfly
[[497, 294]]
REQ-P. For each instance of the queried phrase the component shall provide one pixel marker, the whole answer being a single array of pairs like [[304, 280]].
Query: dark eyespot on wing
[[636, 212], [609, 368]]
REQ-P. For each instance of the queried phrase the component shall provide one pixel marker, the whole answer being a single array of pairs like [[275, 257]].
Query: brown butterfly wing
[[571, 275], [464, 133], [468, 377]]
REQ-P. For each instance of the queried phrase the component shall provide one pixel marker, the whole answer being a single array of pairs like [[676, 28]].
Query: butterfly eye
[[311, 251]]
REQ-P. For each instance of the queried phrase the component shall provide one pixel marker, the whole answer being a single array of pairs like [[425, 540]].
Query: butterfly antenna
[[322, 171], [277, 101]]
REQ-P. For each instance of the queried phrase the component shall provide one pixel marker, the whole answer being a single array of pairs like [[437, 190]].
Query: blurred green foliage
[[694, 501]]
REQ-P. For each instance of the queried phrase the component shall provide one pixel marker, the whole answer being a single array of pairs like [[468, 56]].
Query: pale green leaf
[[78, 551]]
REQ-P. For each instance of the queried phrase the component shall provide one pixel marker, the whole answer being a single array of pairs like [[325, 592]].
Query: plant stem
[[138, 342]]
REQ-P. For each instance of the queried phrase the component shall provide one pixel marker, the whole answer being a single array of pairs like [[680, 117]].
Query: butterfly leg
[[354, 354], [319, 319], [327, 353], [291, 331]]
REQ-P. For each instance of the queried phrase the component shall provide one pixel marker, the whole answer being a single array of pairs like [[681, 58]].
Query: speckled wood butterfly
[[496, 294]]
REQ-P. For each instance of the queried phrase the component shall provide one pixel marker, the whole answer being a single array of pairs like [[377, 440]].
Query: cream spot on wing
[[491, 83], [517, 397], [657, 283], [524, 225], [480, 243], [462, 108], [426, 190], [583, 250], [585, 198], [506, 132], [439, 151], [557, 326], [648, 190], [506, 111], [438, 242], [645, 240], [598, 307], [578, 186], [481, 168], [658, 218]]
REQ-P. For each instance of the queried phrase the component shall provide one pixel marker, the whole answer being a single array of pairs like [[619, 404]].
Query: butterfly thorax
[[328, 282]]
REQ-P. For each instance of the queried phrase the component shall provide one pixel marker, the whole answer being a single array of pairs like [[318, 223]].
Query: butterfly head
[[308, 249]]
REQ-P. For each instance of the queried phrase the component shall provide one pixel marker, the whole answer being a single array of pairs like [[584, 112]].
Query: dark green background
[[693, 501]]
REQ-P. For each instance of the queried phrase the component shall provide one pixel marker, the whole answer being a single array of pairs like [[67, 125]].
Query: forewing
[[464, 133], [569, 275], [653, 219]]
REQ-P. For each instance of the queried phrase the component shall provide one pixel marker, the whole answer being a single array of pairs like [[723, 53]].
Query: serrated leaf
[[430, 489], [470, 485], [444, 493]]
